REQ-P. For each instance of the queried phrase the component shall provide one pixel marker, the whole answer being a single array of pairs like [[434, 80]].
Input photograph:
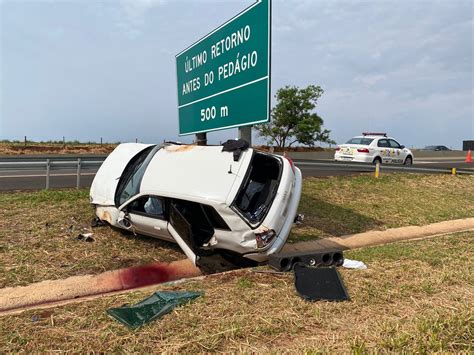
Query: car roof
[[198, 173]]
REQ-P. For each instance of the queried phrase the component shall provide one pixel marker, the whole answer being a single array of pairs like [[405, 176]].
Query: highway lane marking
[[25, 176]]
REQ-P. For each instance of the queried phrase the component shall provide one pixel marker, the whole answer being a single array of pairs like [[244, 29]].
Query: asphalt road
[[21, 179]]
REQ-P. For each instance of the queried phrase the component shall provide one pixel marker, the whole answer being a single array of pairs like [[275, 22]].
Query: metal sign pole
[[201, 138], [245, 133]]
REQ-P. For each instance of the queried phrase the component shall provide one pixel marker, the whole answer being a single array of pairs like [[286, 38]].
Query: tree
[[293, 119]]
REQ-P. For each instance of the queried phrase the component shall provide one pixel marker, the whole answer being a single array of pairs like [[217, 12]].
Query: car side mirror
[[124, 223], [402, 147]]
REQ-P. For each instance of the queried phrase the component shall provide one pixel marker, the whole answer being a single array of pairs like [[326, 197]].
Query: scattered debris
[[87, 237], [354, 264], [151, 308], [319, 283], [97, 222]]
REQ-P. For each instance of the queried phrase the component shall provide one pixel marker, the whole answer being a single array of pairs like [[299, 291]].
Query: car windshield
[[259, 189], [129, 184], [360, 141]]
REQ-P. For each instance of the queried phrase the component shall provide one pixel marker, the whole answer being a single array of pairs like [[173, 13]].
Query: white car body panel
[[205, 175], [202, 170], [107, 177]]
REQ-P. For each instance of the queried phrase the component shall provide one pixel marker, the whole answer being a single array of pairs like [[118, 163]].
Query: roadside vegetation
[[54, 147], [38, 239], [345, 205], [38, 230], [415, 297]]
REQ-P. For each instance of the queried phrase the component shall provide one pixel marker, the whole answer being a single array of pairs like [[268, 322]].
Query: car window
[[259, 188], [359, 140], [215, 218], [383, 143], [129, 184], [151, 206], [193, 213], [394, 144]]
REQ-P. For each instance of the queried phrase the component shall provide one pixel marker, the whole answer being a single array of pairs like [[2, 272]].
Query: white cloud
[[132, 14], [369, 80]]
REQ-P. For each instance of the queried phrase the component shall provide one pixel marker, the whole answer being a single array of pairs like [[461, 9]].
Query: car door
[[397, 153], [148, 216], [383, 148]]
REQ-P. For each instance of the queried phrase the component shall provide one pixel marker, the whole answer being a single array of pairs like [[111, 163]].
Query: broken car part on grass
[[226, 207], [319, 283], [151, 308], [286, 261], [316, 277]]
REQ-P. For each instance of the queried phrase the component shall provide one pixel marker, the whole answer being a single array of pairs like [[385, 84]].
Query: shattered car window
[[259, 189]]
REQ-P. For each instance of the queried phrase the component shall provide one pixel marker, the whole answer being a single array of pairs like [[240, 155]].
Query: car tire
[[377, 160], [408, 161]]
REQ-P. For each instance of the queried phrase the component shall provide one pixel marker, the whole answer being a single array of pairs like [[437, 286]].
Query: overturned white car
[[221, 207]]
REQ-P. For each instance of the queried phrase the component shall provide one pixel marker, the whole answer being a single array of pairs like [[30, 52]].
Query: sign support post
[[201, 138], [245, 133]]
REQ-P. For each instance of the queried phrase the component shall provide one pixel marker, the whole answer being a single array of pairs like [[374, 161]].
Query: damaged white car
[[222, 207]]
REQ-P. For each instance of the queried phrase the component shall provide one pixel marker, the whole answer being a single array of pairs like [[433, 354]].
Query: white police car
[[373, 148]]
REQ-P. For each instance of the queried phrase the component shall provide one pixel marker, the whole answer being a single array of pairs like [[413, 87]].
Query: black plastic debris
[[235, 145], [151, 308], [319, 283], [286, 261], [97, 222], [87, 237]]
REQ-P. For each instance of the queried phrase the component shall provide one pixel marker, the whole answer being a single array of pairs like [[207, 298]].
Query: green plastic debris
[[151, 308]]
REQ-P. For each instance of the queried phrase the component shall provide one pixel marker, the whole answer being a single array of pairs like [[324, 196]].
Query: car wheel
[[377, 160], [408, 161]]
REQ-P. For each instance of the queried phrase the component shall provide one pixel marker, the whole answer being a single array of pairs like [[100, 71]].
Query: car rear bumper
[[357, 158], [282, 236]]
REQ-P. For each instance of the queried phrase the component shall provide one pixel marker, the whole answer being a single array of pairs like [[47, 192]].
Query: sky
[[90, 69]]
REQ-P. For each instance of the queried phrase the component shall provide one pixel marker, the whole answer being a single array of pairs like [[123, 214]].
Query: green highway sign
[[224, 78]]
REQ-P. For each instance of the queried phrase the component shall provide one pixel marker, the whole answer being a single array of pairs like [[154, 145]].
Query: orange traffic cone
[[468, 157]]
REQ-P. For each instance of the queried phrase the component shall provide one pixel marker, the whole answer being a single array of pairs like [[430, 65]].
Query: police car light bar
[[374, 134]]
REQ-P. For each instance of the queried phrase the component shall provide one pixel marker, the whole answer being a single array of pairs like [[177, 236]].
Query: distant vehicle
[[436, 148], [373, 148], [234, 207]]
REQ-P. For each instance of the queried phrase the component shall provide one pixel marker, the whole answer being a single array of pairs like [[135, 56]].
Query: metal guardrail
[[50, 164], [80, 163], [371, 168]]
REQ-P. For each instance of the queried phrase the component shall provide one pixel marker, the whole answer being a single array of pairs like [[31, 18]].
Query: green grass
[[38, 229], [345, 205], [38, 241], [406, 304]]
